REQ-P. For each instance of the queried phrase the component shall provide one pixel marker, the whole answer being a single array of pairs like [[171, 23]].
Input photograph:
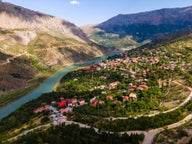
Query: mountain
[[158, 73], [16, 17], [33, 45], [143, 26]]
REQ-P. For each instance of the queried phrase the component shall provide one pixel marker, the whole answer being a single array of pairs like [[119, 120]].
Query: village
[[138, 75]]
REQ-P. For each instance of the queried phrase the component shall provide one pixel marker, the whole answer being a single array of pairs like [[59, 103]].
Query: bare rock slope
[[16, 17]]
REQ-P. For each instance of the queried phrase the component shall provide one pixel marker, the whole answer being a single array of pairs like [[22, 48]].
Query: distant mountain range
[[143, 26]]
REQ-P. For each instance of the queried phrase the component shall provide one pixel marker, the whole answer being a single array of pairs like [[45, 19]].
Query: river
[[46, 87]]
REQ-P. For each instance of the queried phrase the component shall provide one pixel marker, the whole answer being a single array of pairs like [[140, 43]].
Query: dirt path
[[8, 60]]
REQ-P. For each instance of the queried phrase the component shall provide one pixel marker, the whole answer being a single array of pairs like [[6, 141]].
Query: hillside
[[16, 17], [141, 27], [150, 85], [33, 45]]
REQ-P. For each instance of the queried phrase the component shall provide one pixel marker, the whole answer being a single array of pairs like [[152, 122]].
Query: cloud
[[74, 2]]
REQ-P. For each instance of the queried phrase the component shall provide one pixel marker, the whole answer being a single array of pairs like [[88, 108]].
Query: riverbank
[[47, 86], [8, 97]]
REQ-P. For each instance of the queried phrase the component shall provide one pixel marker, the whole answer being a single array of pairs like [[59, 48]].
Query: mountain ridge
[[141, 27], [17, 17]]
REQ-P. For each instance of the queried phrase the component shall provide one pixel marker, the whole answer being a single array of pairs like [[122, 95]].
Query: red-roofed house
[[109, 97], [132, 88], [62, 103], [113, 85], [66, 110], [81, 101], [125, 98], [95, 102], [143, 87]]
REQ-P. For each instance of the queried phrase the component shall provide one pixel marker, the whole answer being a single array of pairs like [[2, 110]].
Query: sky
[[84, 12]]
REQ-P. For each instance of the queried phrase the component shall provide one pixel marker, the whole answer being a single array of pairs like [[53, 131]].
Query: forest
[[73, 134]]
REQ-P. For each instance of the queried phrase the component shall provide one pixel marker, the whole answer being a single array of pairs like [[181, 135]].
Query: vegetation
[[27, 71], [155, 68], [113, 40], [71, 134], [181, 134], [141, 123]]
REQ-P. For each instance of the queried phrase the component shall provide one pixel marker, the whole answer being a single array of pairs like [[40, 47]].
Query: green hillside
[[148, 80]]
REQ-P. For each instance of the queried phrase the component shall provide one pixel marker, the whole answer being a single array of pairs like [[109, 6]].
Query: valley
[[101, 95], [125, 80], [31, 51]]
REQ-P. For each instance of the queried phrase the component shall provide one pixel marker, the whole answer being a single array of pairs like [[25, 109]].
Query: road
[[8, 60], [149, 135]]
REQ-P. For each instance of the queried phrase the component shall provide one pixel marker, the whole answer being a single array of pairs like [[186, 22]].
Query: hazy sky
[[83, 12]]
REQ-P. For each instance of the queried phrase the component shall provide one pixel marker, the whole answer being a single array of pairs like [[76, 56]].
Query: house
[[139, 80], [103, 92], [144, 74], [101, 102], [81, 101], [143, 87], [109, 97], [69, 103], [98, 68], [101, 87], [53, 102], [74, 101], [38, 110], [62, 103], [66, 110], [95, 102], [132, 88], [125, 98], [130, 84], [178, 54], [60, 120], [88, 69], [132, 96], [134, 60], [113, 85], [43, 108], [91, 100], [47, 107]]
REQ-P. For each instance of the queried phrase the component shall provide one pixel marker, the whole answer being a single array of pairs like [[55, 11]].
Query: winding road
[[149, 135], [170, 110]]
